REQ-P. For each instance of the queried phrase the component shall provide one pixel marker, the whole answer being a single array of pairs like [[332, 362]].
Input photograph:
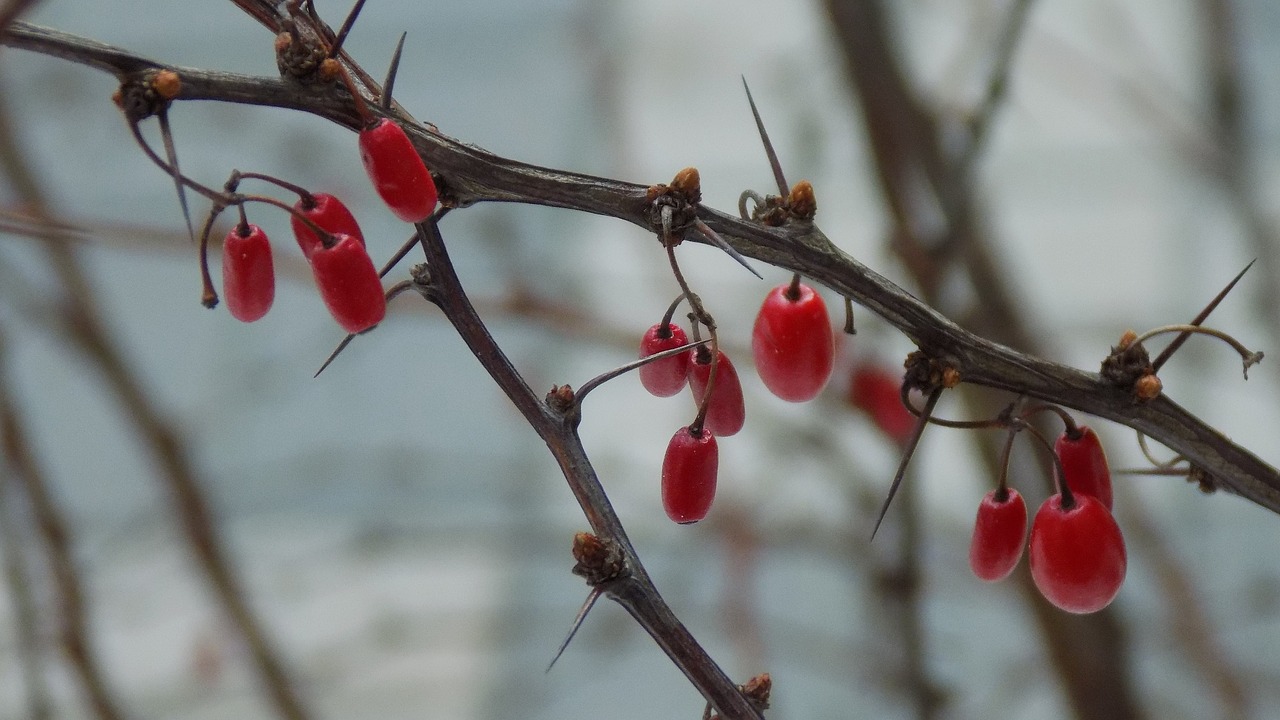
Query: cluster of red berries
[[330, 238], [794, 351], [1077, 552]]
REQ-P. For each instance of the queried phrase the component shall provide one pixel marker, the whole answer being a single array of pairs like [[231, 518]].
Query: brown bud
[[950, 377], [802, 201], [1127, 339], [283, 41], [330, 69], [117, 97], [561, 397], [1147, 387], [688, 182], [167, 84]]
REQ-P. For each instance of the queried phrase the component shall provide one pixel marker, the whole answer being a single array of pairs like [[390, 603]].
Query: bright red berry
[[998, 535], [792, 342], [248, 274], [397, 172], [877, 392], [726, 413], [1084, 464], [330, 214], [689, 475], [349, 284], [668, 376], [1077, 554]]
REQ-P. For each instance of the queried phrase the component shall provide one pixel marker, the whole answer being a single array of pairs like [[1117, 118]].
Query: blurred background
[[401, 538]]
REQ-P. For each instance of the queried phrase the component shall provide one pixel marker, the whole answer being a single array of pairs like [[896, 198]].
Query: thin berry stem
[[305, 195], [664, 329], [602, 378]]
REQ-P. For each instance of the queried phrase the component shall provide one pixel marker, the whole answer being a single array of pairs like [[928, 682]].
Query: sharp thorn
[[333, 355], [171, 153], [783, 188], [391, 73], [908, 450], [1200, 318], [577, 623], [719, 242], [350, 20], [395, 259]]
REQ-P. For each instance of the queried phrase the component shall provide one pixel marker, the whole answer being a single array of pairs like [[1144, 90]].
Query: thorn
[[783, 187], [1204, 314], [171, 152], [908, 450], [577, 623], [399, 255], [391, 73], [333, 355], [719, 242], [350, 20]]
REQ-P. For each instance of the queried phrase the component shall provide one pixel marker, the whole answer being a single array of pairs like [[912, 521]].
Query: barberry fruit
[[689, 475], [667, 376], [248, 273], [877, 392], [1084, 464], [998, 535], [1077, 554], [792, 342], [349, 284], [329, 214], [726, 412], [397, 172]]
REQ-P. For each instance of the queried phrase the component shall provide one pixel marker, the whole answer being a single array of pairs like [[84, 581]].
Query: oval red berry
[[330, 214], [1084, 464], [248, 273], [998, 535], [397, 172], [689, 475], [1077, 554], [726, 413], [877, 392], [667, 376], [349, 284], [792, 343]]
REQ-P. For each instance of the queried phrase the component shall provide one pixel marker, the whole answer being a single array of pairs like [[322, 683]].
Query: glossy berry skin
[[998, 535], [1084, 465], [792, 343], [248, 273], [349, 284], [398, 174], [330, 214], [668, 376], [726, 413], [876, 391], [1077, 554], [689, 475]]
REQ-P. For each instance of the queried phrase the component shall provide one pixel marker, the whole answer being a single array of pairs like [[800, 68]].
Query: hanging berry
[[349, 284], [998, 534], [726, 413], [689, 475], [1077, 553], [397, 172], [876, 392], [792, 342], [668, 376], [329, 213], [1084, 463], [248, 274]]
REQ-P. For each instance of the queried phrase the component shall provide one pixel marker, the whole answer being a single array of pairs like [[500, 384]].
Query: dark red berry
[[998, 535], [726, 413], [1077, 554], [689, 475], [330, 214], [248, 274], [668, 376], [397, 172], [876, 392], [1084, 464], [349, 284], [792, 342]]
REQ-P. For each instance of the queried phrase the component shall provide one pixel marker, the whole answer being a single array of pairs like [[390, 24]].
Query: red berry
[[998, 535], [665, 377], [1077, 554], [1084, 465], [397, 172], [248, 274], [792, 343], [876, 391], [330, 214], [349, 284], [726, 413], [689, 475]]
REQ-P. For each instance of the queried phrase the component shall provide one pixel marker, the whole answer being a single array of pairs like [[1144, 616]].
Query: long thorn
[[1204, 315], [399, 255], [719, 242], [908, 450], [391, 73], [577, 623], [336, 47], [171, 152], [392, 293], [783, 188]]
